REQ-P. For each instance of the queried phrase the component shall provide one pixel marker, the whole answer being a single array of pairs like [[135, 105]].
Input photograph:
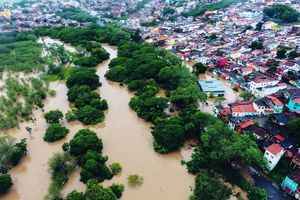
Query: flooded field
[[127, 140]]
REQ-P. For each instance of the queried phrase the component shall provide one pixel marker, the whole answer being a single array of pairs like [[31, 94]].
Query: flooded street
[[126, 138]]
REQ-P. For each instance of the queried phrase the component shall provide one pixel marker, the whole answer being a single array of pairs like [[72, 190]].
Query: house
[[261, 82], [261, 106], [268, 90], [273, 154], [258, 132], [275, 104], [244, 124], [242, 109], [212, 87], [294, 103], [291, 184]]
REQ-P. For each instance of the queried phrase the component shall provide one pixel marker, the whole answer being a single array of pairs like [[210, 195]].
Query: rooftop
[[274, 149], [241, 108], [211, 86]]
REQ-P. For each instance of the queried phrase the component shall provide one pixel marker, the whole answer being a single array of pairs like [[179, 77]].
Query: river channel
[[126, 138]]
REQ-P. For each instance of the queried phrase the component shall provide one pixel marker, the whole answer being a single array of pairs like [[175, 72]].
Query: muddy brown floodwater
[[127, 140]]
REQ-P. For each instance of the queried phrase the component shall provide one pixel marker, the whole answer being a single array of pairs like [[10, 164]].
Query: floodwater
[[127, 140]]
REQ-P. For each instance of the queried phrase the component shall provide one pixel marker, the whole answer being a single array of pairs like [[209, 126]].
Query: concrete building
[[212, 87], [273, 154]]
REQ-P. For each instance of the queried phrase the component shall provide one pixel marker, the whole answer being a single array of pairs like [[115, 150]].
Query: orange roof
[[279, 137], [275, 100], [274, 149], [246, 123], [243, 108]]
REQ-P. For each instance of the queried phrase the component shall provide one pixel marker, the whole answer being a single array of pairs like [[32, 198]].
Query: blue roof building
[[212, 87]]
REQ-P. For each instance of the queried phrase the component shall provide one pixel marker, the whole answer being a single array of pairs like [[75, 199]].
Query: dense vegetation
[[84, 38], [231, 148], [21, 97], [11, 153], [61, 165], [202, 8], [293, 128], [20, 52], [282, 13], [146, 70], [76, 14], [83, 150], [55, 132], [89, 106], [96, 191], [53, 116], [209, 186], [5, 183], [199, 68], [87, 148]]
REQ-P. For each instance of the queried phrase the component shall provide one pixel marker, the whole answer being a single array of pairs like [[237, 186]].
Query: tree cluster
[[89, 106], [202, 8], [55, 130], [5, 183], [282, 13], [61, 165], [209, 186], [53, 116], [293, 128], [199, 68], [20, 52], [76, 14], [231, 148], [257, 44], [11, 153], [96, 191], [87, 148], [20, 98], [87, 38], [146, 70]]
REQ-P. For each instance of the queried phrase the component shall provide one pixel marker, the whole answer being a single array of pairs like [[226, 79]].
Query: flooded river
[[127, 140]]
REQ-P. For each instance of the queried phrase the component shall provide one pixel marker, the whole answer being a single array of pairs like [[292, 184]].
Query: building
[[212, 87], [273, 154], [294, 104], [261, 82], [242, 109], [291, 184]]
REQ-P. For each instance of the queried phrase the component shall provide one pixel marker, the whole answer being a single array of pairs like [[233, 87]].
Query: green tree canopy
[[54, 116], [83, 141], [208, 186], [83, 76], [55, 132], [168, 134], [282, 12], [5, 183]]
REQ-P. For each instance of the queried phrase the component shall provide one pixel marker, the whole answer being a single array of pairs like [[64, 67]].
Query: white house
[[273, 154], [268, 90], [261, 82]]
